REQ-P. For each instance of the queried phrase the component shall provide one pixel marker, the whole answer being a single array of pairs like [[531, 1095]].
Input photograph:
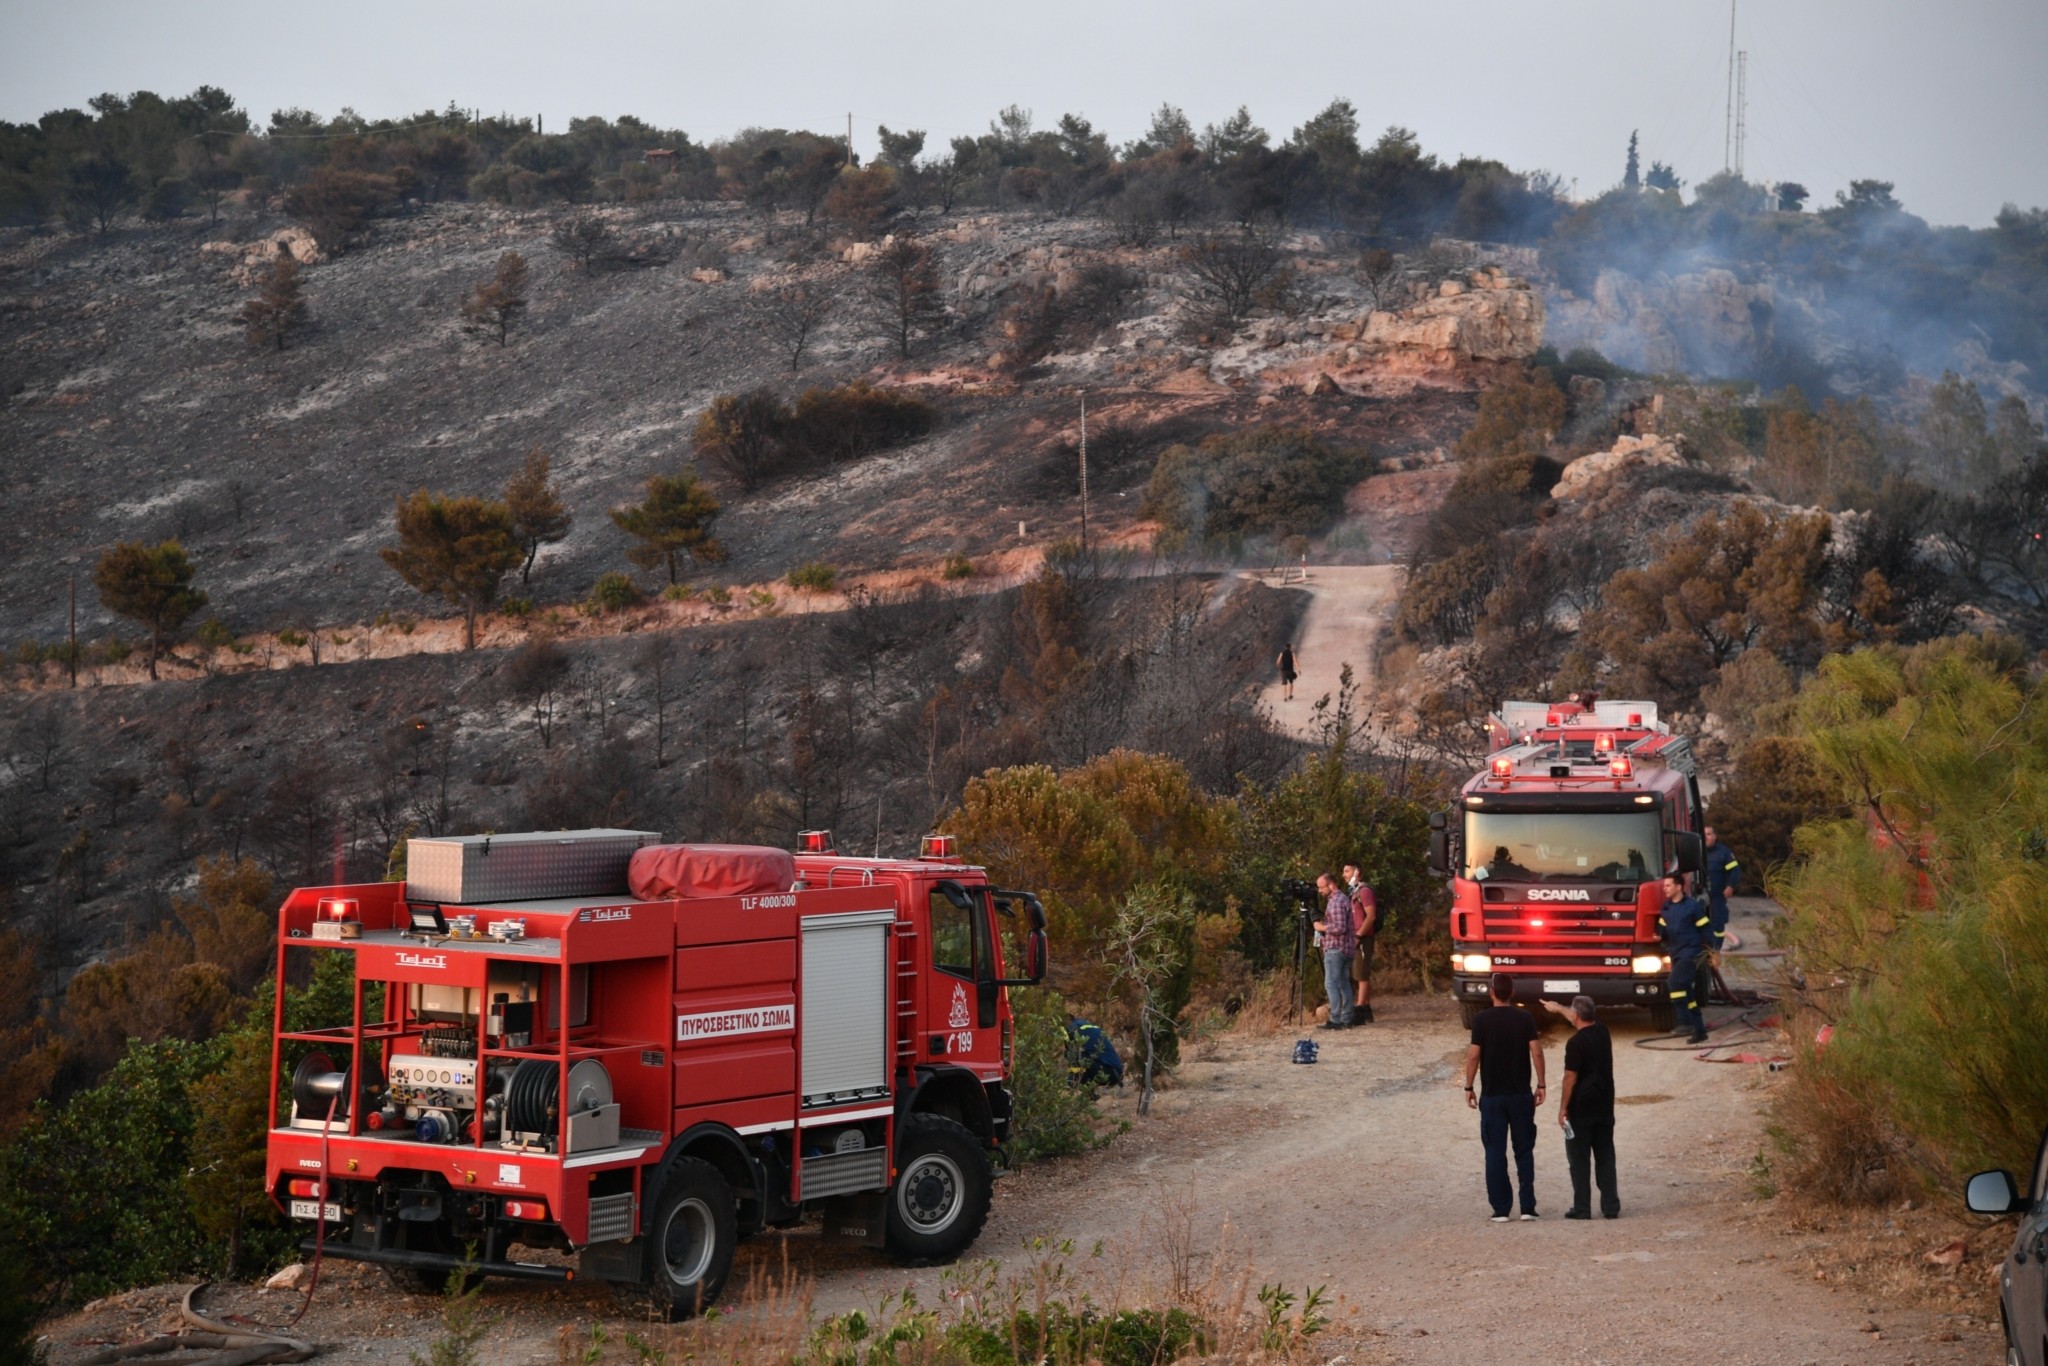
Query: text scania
[[1559, 894], [716, 1024]]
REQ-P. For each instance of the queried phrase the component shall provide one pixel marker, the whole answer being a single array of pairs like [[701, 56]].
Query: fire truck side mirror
[[1438, 820], [1036, 952], [1689, 851], [1439, 852]]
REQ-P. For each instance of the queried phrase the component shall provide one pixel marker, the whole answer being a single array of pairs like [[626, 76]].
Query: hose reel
[[532, 1103], [317, 1084]]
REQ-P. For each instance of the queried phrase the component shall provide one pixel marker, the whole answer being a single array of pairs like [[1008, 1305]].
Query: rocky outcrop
[[1589, 472], [252, 260], [1488, 316]]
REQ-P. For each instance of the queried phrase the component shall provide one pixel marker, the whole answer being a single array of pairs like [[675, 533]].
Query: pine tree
[[461, 548], [278, 310], [538, 517], [149, 584], [672, 523], [494, 303], [1632, 178]]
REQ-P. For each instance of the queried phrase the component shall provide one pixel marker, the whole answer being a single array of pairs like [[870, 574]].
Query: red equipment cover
[[664, 872]]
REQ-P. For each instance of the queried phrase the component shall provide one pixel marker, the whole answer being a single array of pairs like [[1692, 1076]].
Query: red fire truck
[[630, 1055], [1557, 851]]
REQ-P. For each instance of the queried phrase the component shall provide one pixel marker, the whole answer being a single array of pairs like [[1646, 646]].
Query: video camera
[[1302, 893]]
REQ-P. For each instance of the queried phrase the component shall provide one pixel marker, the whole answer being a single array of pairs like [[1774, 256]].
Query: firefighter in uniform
[[1723, 873], [1686, 929]]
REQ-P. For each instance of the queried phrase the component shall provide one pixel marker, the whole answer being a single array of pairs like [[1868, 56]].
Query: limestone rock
[[1503, 321], [1322, 386], [708, 276], [1589, 472]]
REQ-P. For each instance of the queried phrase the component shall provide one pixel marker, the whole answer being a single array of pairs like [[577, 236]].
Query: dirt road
[[1363, 1174], [1347, 606]]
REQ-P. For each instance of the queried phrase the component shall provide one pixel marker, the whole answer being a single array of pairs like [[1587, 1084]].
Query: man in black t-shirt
[[1503, 1053], [1585, 1108]]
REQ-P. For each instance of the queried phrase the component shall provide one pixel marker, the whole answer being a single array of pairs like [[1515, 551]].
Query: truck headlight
[[1649, 963], [1471, 962]]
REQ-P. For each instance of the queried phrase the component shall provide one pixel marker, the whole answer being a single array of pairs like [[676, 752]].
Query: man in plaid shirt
[[1340, 945]]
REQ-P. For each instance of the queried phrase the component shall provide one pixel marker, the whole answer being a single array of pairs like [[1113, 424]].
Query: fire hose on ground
[[233, 1346]]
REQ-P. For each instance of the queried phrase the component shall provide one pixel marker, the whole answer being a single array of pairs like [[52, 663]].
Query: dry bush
[[1835, 1143]]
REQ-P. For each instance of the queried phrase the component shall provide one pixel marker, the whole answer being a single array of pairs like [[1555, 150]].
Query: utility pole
[[1084, 472], [1728, 131], [849, 140], [71, 655], [1741, 108]]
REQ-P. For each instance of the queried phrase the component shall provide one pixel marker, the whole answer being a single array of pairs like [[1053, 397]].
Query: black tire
[[690, 1240], [1468, 1012], [941, 1197], [1663, 1016]]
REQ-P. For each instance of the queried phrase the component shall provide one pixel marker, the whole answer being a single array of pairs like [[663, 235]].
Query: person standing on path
[[1504, 1051], [1684, 924], [1723, 875], [1585, 1108], [1365, 918], [1287, 674], [1340, 943]]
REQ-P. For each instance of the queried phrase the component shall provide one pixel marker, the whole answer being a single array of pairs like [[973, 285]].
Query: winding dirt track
[[1348, 604]]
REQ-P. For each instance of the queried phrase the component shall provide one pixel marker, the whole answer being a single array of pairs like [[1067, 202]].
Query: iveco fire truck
[[588, 1054], [1557, 852]]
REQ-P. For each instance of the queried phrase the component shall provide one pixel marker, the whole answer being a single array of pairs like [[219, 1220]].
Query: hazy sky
[[1946, 98]]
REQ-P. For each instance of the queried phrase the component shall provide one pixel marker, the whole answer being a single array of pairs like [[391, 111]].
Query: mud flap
[[615, 1261], [860, 1219]]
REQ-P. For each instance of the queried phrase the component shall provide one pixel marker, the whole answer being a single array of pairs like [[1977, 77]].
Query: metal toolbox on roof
[[469, 870]]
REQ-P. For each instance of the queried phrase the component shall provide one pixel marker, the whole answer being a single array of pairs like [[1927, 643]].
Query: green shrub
[[1273, 481], [615, 592], [29, 652], [291, 639], [214, 634], [957, 566], [678, 592], [516, 608], [1919, 930], [815, 577], [718, 595], [1052, 1115], [112, 650], [761, 599]]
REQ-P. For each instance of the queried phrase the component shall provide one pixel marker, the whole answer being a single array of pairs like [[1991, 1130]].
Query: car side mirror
[[1993, 1193]]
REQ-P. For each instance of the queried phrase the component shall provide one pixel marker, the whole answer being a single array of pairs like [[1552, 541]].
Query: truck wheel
[[1468, 1012], [941, 1197], [1663, 1016], [691, 1240]]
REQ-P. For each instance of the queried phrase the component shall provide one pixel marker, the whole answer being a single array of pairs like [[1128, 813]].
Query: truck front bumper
[[1606, 989]]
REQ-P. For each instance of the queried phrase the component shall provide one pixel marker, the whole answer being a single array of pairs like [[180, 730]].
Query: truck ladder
[[906, 995]]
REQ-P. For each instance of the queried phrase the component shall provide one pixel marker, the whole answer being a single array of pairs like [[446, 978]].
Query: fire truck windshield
[[1563, 846]]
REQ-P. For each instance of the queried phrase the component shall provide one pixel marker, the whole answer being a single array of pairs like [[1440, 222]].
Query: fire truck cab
[[586, 1054], [1557, 851]]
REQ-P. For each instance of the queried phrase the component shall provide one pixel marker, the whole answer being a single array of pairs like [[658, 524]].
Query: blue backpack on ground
[[1091, 1058], [1305, 1050]]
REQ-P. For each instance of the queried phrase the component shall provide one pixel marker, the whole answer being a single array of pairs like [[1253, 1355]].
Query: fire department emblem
[[960, 1017]]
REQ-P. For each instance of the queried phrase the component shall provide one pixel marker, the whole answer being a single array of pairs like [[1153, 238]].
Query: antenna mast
[[1741, 108], [1728, 131]]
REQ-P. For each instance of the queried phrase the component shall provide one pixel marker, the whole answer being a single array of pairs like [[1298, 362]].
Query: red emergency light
[[936, 847], [1635, 718], [814, 842], [1620, 767], [1603, 743], [1503, 767]]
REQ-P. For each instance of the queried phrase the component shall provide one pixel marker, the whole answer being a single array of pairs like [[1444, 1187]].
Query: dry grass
[[1058, 1304]]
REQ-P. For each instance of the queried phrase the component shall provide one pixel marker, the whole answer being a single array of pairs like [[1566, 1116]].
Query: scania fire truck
[[1557, 852], [587, 1054]]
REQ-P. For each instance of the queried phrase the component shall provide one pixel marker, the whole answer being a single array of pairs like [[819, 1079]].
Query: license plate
[[304, 1209], [1561, 984]]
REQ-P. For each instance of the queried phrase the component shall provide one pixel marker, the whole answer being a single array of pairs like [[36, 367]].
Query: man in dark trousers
[[1684, 926], [1365, 917], [1585, 1108], [1503, 1052], [1723, 875]]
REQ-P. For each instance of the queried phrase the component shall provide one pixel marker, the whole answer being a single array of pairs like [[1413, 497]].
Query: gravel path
[[1348, 604]]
